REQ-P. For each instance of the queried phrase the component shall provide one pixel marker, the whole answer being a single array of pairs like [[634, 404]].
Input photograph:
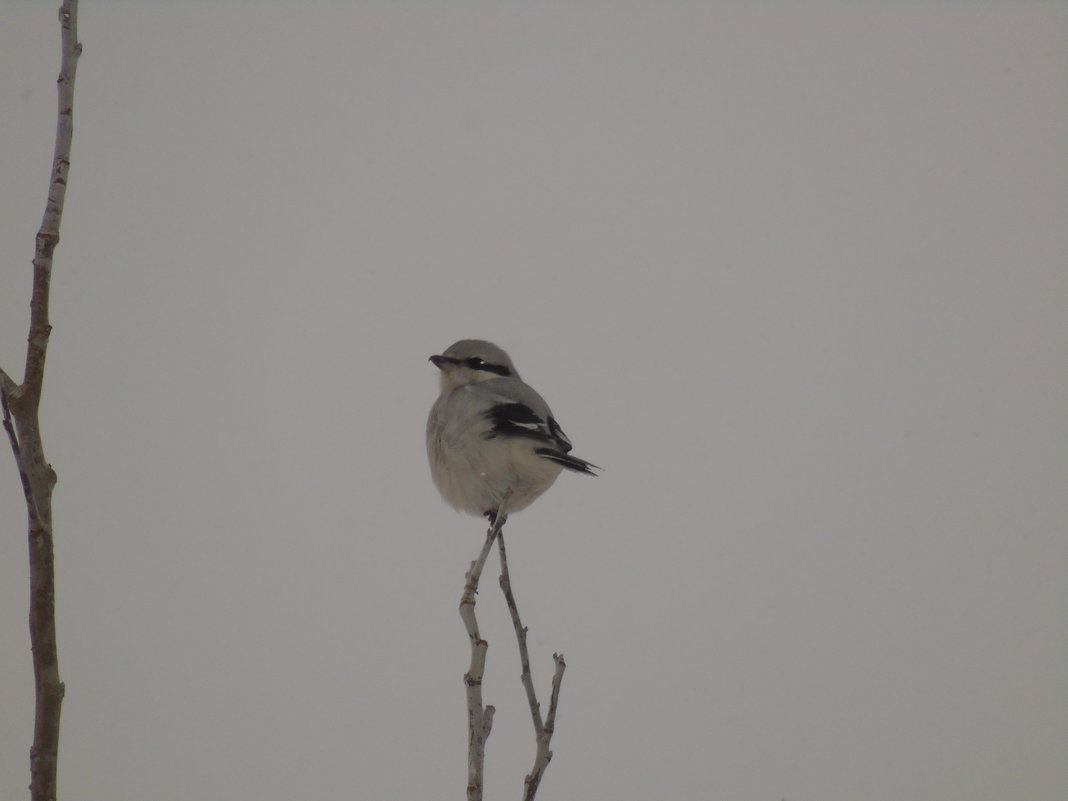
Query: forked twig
[[543, 732]]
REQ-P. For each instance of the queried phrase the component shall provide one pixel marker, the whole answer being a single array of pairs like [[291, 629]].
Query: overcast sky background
[[793, 273]]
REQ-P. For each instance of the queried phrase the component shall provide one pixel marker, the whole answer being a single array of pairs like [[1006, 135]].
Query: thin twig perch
[[22, 424], [479, 718], [543, 732]]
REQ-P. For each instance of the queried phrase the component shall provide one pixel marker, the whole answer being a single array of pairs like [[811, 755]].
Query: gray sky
[[794, 274]]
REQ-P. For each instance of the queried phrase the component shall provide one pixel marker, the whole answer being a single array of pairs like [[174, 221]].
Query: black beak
[[441, 361]]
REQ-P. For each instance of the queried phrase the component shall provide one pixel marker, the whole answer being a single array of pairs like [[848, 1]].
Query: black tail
[[568, 461]]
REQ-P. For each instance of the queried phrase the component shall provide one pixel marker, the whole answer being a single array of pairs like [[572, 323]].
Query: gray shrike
[[489, 431]]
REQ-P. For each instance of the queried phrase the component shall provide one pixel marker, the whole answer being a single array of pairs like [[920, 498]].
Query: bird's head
[[470, 361]]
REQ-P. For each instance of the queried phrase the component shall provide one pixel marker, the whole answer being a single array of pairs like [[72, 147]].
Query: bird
[[490, 432]]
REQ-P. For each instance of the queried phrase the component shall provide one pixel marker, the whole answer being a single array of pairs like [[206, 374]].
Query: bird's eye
[[475, 363]]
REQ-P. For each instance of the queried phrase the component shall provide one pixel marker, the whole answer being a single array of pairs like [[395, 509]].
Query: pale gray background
[[794, 274]]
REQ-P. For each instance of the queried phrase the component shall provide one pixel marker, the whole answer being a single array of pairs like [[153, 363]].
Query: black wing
[[519, 420]]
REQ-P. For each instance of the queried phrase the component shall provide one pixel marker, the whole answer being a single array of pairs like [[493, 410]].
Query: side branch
[[543, 732], [479, 718], [20, 463]]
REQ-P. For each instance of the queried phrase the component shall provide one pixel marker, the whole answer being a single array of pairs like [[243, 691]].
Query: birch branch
[[543, 732], [479, 718], [21, 403]]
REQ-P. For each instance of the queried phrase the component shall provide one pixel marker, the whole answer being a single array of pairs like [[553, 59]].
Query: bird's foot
[[491, 516]]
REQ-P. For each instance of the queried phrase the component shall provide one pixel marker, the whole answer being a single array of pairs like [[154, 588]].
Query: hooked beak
[[442, 362]]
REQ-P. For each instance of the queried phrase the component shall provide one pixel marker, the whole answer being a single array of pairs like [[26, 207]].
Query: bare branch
[[21, 422], [48, 234], [479, 718], [521, 637], [543, 733], [543, 754]]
